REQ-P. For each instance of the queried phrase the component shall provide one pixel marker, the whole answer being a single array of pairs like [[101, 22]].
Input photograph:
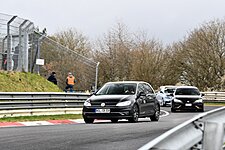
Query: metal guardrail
[[205, 131], [30, 103], [214, 96], [36, 103]]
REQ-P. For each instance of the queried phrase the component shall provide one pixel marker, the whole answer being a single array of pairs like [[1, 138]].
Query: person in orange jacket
[[70, 81]]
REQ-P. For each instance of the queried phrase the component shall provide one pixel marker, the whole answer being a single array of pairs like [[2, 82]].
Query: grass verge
[[41, 118], [25, 82], [214, 104]]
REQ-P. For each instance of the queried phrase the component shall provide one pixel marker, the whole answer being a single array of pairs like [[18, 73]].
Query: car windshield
[[169, 90], [187, 91], [118, 89]]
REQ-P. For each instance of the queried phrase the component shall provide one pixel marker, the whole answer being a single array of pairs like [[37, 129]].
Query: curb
[[57, 122], [44, 123]]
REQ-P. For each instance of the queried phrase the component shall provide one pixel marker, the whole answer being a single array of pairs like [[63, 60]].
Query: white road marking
[[166, 113], [36, 123]]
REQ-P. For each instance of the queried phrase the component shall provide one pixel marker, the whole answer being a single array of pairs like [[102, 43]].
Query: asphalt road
[[97, 136]]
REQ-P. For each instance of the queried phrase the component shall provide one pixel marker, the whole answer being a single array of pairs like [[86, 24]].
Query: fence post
[[21, 50], [9, 45], [96, 77], [38, 51], [25, 61], [4, 55]]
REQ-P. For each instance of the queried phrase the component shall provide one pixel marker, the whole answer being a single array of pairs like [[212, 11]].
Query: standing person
[[70, 81], [52, 78]]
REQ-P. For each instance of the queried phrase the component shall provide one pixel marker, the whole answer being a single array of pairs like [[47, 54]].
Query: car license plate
[[188, 104], [102, 110]]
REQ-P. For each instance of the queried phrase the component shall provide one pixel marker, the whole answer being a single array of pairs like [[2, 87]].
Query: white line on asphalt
[[36, 123], [166, 113]]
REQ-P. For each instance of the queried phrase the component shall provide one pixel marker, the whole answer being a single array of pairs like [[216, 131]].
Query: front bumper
[[167, 101], [115, 112], [187, 106]]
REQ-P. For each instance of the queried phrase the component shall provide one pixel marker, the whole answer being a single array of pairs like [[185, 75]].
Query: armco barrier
[[205, 131], [40, 103], [43, 103], [214, 96]]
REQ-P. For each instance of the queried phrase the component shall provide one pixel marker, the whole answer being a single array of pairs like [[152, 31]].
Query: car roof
[[167, 86], [187, 87], [127, 82]]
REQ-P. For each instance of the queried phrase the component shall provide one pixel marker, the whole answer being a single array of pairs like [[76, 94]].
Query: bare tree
[[202, 56], [113, 53], [69, 56]]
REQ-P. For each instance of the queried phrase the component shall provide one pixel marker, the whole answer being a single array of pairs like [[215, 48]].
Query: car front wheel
[[114, 120], [135, 114], [88, 120], [172, 109], [155, 117]]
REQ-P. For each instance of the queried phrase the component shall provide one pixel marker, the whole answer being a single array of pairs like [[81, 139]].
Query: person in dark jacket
[[52, 78]]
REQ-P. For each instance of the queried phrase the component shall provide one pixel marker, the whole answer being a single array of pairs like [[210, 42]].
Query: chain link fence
[[14, 32], [62, 60], [21, 46]]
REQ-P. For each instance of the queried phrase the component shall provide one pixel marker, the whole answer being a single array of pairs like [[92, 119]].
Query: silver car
[[164, 95]]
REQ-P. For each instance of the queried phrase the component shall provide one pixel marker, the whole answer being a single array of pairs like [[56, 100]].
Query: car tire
[[155, 117], [114, 120], [172, 109], [88, 120], [201, 110], [135, 114]]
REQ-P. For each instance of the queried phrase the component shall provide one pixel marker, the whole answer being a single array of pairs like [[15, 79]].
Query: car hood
[[116, 98]]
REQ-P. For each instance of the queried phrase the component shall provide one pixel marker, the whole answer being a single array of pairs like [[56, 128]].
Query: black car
[[122, 100], [187, 98]]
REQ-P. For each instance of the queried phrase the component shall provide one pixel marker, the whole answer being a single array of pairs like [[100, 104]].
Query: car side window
[[148, 89], [141, 88]]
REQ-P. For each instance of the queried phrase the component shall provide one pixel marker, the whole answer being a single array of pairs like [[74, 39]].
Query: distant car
[[187, 98], [164, 95], [122, 100]]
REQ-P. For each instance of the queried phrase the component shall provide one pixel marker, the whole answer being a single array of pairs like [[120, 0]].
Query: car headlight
[[125, 103], [199, 101], [177, 100], [87, 103]]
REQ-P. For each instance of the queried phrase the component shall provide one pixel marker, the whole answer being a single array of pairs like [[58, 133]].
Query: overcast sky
[[165, 20]]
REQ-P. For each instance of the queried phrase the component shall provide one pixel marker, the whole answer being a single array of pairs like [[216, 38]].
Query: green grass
[[41, 118], [25, 82], [214, 104]]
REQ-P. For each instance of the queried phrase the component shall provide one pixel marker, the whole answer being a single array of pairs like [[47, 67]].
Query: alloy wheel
[[135, 115], [155, 117]]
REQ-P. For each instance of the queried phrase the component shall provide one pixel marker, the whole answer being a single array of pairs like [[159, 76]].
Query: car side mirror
[[93, 93], [141, 94], [203, 94]]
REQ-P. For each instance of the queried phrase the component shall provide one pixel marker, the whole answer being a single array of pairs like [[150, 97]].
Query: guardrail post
[[213, 136]]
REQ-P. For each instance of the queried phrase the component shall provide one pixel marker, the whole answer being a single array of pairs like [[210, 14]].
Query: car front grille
[[188, 100], [107, 102]]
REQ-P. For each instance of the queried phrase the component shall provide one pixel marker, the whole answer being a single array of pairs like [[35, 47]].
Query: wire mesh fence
[[14, 32], [62, 60], [21, 45]]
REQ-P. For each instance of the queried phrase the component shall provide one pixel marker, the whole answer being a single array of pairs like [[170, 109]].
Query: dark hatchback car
[[122, 100], [187, 98]]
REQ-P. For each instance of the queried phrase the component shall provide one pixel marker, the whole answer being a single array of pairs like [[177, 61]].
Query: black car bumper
[[115, 112], [188, 106]]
